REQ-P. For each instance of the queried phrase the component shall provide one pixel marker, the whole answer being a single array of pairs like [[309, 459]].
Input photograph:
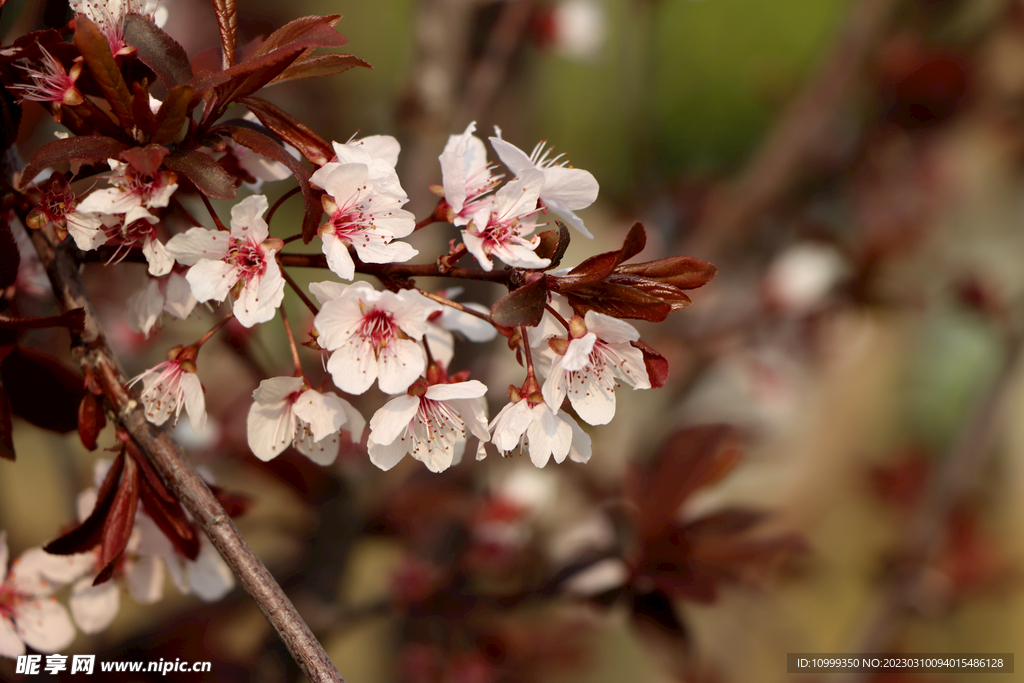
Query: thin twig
[[290, 193], [455, 304], [213, 214], [298, 290], [94, 355]]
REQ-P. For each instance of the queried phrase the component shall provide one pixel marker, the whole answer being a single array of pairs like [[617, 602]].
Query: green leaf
[[522, 306], [96, 51], [157, 50], [207, 175]]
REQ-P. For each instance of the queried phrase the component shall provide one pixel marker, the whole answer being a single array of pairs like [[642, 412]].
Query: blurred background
[[855, 170]]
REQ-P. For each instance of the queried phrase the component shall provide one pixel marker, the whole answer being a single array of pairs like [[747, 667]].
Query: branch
[[399, 271], [94, 355]]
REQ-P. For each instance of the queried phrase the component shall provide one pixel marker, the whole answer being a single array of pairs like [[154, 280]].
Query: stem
[[185, 212], [92, 352], [558, 316], [290, 193], [297, 236], [400, 271], [216, 218], [291, 342], [298, 290], [454, 304], [213, 331], [429, 220]]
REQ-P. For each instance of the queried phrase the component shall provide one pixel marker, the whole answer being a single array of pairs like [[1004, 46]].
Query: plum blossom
[[529, 420], [379, 153], [241, 262], [501, 229], [109, 16], [588, 366], [51, 83], [287, 412], [363, 214], [171, 295], [29, 614], [565, 189], [132, 193], [171, 386], [430, 423], [371, 335], [466, 176]]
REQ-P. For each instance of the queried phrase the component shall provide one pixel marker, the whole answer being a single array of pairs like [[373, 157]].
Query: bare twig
[[94, 355]]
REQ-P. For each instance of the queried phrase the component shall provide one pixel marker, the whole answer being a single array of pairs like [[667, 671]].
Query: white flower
[[379, 153], [171, 386], [429, 424], [29, 614], [287, 412], [466, 176], [548, 433], [132, 193], [439, 333], [364, 215], [589, 367], [565, 189], [172, 295], [580, 28], [371, 335], [501, 229], [261, 168], [241, 262]]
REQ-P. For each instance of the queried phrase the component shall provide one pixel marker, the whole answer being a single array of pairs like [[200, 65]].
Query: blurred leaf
[[91, 420], [83, 148], [522, 306], [207, 175], [117, 527], [163, 507], [42, 390], [88, 534], [290, 129], [682, 272], [657, 609], [96, 50], [657, 366], [10, 257], [157, 50], [10, 118]]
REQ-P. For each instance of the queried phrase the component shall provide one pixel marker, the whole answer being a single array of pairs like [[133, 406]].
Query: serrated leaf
[[146, 160], [157, 50], [82, 148], [290, 129], [172, 115], [207, 175], [522, 306], [262, 143], [295, 30], [244, 79], [319, 66], [96, 50], [227, 23]]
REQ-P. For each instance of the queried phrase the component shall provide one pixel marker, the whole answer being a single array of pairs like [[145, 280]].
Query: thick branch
[[92, 352]]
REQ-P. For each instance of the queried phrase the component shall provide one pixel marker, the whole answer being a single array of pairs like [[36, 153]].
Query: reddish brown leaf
[[243, 79], [522, 306], [656, 609], [207, 175], [682, 272], [290, 129], [10, 118], [88, 534], [553, 244], [172, 115], [657, 366], [295, 30], [74, 320], [227, 22], [10, 257], [163, 507], [28, 46], [142, 113], [319, 66], [234, 504], [619, 301], [6, 427], [692, 458], [146, 160], [597, 268], [268, 147], [157, 50], [94, 47], [117, 527], [83, 148], [91, 420], [42, 390]]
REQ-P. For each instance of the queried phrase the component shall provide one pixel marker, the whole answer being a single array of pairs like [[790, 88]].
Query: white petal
[[270, 429], [514, 158], [210, 577], [581, 446], [577, 355], [160, 261], [258, 301], [355, 423], [109, 201], [473, 328], [247, 218], [87, 230], [145, 579], [338, 259], [61, 569], [520, 195], [196, 244], [338, 319], [475, 246], [510, 423], [610, 329], [178, 299], [93, 608], [326, 291], [386, 456], [446, 392], [195, 401], [10, 642], [571, 188], [391, 421], [400, 363], [324, 413], [44, 625], [276, 389], [145, 307], [441, 343], [353, 367], [323, 452], [212, 280], [345, 182], [376, 252], [555, 386], [552, 435], [593, 402]]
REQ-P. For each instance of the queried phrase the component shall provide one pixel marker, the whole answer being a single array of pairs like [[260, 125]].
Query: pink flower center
[[352, 223], [378, 327], [437, 420], [57, 202], [136, 231], [247, 256], [142, 185]]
